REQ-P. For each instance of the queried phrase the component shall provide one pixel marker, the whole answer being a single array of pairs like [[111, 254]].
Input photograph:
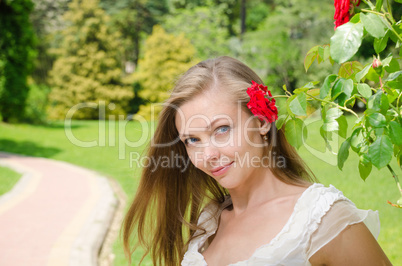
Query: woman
[[264, 207]]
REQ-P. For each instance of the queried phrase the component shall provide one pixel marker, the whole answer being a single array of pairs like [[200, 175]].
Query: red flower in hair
[[343, 10], [262, 107]]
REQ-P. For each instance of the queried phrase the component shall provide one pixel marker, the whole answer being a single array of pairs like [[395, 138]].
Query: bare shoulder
[[292, 190], [355, 245]]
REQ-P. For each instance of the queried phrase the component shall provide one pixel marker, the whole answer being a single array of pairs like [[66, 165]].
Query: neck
[[262, 187]]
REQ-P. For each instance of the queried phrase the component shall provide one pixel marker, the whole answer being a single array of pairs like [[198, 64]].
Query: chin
[[228, 184]]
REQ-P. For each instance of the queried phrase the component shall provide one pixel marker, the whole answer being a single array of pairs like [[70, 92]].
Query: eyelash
[[186, 140]]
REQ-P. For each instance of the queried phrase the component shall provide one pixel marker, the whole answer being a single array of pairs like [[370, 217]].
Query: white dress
[[319, 215]]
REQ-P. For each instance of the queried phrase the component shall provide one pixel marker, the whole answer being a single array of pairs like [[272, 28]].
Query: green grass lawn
[[111, 157], [8, 178]]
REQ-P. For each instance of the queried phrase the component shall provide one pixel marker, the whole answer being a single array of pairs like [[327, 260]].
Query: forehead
[[205, 108]]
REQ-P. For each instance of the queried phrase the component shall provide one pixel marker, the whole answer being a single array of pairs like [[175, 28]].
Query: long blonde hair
[[164, 213]]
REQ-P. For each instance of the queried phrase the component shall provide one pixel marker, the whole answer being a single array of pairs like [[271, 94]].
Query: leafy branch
[[376, 135]]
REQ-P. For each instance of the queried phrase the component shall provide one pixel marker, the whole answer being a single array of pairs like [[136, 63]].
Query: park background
[[125, 55]]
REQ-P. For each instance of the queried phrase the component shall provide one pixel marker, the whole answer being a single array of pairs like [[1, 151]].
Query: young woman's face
[[221, 138]]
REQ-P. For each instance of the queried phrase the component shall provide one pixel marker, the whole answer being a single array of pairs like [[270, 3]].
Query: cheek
[[195, 158]]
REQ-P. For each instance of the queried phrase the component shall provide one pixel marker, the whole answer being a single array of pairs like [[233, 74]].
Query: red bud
[[376, 63]]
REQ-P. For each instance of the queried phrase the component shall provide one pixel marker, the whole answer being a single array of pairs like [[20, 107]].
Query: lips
[[219, 169]]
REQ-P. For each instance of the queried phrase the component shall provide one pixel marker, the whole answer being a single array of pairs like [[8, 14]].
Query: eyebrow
[[208, 126]]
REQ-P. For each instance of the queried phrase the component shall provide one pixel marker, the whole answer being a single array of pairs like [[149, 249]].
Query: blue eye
[[220, 131], [190, 141], [223, 129]]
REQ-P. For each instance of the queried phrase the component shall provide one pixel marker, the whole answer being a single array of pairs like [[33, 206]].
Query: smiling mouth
[[221, 169]]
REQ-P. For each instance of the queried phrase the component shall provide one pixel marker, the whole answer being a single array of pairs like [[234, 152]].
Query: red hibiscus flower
[[262, 107], [343, 10]]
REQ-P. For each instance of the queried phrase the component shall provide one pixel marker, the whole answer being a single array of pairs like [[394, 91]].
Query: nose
[[211, 153]]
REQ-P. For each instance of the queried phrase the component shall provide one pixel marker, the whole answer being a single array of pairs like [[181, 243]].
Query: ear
[[264, 127]]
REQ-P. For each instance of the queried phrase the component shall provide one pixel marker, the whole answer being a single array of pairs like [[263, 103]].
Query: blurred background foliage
[[56, 54]]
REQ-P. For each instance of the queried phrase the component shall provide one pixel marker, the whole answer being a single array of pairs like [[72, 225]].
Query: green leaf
[[299, 90], [391, 94], [356, 139], [320, 56], [397, 148], [364, 90], [327, 53], [378, 131], [311, 84], [343, 126], [393, 76], [395, 132], [364, 159], [343, 153], [342, 90], [306, 87], [356, 18], [373, 24], [386, 61], [362, 73], [395, 83], [310, 57], [294, 131], [314, 92], [391, 114], [327, 136], [380, 151], [349, 69], [326, 87], [333, 113], [378, 5], [288, 101], [346, 41], [365, 170], [377, 120], [394, 36], [330, 125], [299, 105], [372, 75], [378, 102], [393, 66], [381, 43], [330, 122], [351, 101], [281, 120]]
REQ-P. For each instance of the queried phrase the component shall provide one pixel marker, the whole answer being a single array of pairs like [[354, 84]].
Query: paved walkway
[[57, 214]]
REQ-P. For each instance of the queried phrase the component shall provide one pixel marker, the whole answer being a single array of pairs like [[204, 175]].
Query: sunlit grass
[[8, 178]]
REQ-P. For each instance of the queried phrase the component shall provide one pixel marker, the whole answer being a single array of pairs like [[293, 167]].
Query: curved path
[[57, 214]]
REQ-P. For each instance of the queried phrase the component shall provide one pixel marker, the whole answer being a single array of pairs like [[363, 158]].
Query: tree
[[88, 68], [206, 27], [46, 20], [133, 19], [17, 52], [166, 56]]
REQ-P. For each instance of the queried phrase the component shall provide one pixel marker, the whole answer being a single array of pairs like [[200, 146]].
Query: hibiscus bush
[[376, 134]]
